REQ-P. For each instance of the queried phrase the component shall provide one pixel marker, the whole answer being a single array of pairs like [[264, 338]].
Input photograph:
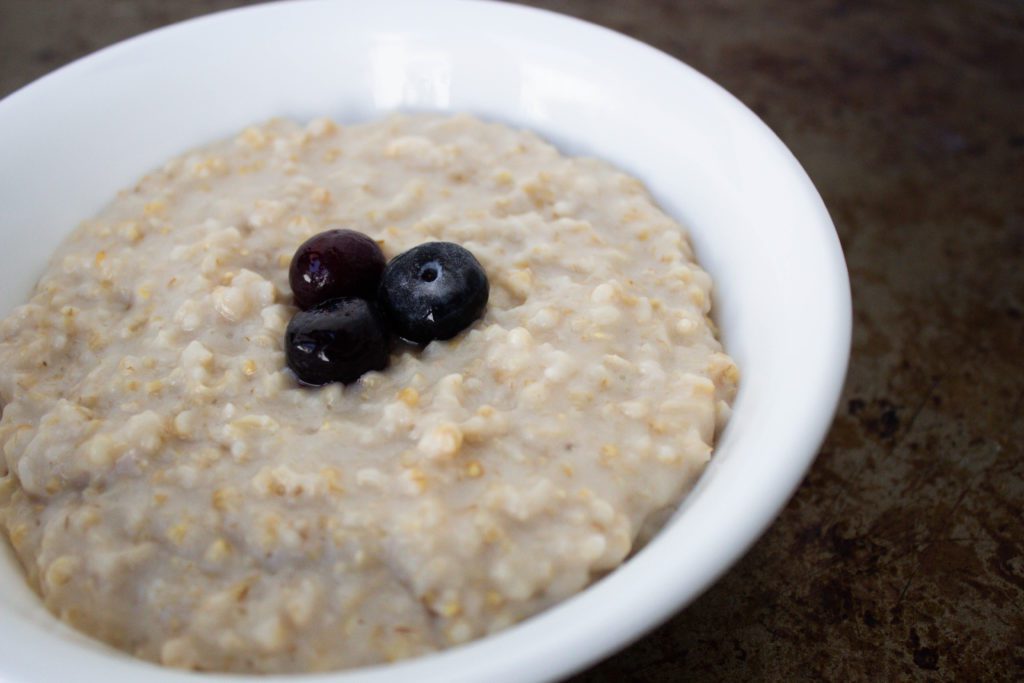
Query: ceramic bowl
[[73, 138]]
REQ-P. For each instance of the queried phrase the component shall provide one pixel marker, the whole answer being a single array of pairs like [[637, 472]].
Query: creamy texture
[[171, 490]]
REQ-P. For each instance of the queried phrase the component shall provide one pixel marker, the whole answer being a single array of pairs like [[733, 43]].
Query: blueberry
[[433, 291], [335, 263], [337, 341]]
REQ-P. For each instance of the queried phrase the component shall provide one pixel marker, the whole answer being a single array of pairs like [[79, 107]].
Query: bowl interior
[[77, 136]]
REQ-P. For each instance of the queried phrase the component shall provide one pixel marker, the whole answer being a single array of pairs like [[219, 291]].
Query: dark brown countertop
[[902, 554]]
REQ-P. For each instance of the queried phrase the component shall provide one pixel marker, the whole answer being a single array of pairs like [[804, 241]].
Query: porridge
[[171, 489]]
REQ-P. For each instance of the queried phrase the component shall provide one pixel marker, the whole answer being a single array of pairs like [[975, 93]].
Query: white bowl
[[73, 138]]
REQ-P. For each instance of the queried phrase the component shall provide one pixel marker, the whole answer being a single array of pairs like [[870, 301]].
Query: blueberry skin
[[333, 264], [337, 341], [433, 291]]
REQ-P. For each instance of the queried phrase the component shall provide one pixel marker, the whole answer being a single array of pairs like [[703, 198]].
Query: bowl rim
[[496, 658]]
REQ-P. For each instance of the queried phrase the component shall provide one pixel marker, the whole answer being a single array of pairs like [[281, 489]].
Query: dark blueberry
[[337, 341], [335, 263], [433, 291]]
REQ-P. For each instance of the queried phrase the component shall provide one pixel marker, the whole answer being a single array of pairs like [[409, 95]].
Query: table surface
[[902, 554]]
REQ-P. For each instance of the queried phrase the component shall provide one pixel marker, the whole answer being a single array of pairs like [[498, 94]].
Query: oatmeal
[[170, 489]]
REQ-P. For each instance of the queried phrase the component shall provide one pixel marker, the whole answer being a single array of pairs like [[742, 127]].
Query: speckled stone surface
[[901, 557]]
